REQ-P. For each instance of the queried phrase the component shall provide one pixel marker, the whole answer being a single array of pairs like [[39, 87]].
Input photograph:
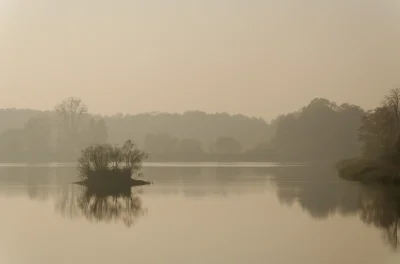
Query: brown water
[[197, 213]]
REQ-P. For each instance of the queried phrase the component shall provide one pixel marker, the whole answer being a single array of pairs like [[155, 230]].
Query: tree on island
[[77, 128], [104, 163]]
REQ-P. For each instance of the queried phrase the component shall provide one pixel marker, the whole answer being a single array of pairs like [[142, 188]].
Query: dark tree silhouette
[[322, 130]]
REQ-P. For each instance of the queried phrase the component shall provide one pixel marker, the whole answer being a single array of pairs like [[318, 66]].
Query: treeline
[[322, 130], [16, 118], [380, 139], [58, 135], [203, 127]]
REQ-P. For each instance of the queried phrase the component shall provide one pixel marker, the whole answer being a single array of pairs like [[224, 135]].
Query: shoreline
[[368, 171], [131, 183]]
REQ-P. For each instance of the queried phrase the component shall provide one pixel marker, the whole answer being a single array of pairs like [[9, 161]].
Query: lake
[[197, 213]]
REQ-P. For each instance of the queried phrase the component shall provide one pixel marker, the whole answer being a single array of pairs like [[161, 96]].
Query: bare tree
[[70, 113], [392, 101]]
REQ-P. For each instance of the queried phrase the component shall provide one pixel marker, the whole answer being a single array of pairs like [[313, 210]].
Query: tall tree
[[70, 112], [392, 102], [380, 129]]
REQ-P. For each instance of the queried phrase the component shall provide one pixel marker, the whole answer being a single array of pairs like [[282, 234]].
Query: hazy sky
[[256, 57]]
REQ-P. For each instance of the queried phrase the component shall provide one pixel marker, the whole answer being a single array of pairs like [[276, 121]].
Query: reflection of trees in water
[[101, 205], [38, 182], [380, 207], [316, 189], [66, 201], [126, 207], [29, 180], [321, 195], [42, 183], [324, 200]]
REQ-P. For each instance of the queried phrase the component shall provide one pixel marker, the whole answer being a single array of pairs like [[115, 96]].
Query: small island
[[380, 138], [112, 167]]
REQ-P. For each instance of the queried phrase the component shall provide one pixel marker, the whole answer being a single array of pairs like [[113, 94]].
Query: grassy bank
[[364, 170]]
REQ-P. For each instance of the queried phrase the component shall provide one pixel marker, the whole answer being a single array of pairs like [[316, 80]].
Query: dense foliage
[[380, 138], [322, 130], [380, 131], [105, 160]]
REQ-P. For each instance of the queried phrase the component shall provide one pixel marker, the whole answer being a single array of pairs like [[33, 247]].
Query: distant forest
[[320, 131]]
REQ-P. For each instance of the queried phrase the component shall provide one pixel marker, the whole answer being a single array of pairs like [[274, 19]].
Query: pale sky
[[255, 57]]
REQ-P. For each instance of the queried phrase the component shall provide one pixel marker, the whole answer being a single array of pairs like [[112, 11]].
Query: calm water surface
[[197, 213]]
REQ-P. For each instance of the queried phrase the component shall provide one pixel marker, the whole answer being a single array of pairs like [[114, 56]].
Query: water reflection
[[52, 184], [101, 205], [380, 207], [320, 193], [316, 189], [204, 182]]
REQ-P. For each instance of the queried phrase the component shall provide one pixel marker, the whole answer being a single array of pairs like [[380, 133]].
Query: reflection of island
[[72, 201], [101, 204]]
